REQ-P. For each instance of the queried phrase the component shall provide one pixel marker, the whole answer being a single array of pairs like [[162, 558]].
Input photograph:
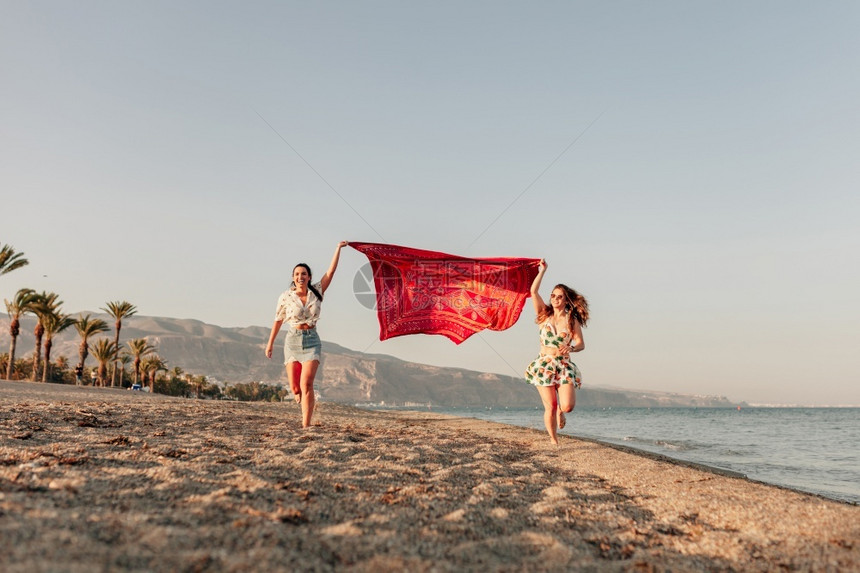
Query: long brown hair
[[574, 303], [311, 287]]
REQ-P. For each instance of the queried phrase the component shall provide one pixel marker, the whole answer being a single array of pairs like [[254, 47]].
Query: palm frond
[[21, 303], [57, 322], [103, 349], [11, 260], [120, 309], [45, 304], [88, 326], [139, 347]]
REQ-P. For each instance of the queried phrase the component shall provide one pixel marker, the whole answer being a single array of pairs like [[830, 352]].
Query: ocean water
[[816, 450]]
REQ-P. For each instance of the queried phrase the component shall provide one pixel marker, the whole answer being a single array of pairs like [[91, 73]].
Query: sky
[[690, 167]]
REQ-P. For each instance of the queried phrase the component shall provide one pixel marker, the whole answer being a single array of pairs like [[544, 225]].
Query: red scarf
[[427, 292]]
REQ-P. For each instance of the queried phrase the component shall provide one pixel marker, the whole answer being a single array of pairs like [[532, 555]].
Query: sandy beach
[[112, 480]]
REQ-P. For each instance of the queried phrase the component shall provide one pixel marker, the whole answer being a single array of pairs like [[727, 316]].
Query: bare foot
[[298, 398], [562, 421]]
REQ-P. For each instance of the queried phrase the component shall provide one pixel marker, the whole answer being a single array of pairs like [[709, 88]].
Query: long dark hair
[[311, 287], [574, 303]]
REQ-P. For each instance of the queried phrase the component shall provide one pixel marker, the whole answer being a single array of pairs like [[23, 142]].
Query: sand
[[112, 480]]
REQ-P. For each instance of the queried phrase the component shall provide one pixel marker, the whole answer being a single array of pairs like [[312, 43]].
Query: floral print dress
[[548, 370]]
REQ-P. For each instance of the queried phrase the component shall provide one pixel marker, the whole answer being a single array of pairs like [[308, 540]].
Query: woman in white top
[[299, 308], [553, 373]]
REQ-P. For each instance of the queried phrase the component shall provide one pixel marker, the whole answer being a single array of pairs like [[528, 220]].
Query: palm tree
[[199, 381], [56, 323], [138, 348], [124, 360], [10, 260], [20, 305], [152, 365], [86, 327], [104, 351], [118, 310], [45, 305]]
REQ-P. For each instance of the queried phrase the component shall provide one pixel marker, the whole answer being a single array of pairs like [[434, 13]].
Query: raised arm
[[536, 299], [326, 280]]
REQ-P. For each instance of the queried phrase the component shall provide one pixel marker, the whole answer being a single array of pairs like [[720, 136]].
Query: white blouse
[[291, 310]]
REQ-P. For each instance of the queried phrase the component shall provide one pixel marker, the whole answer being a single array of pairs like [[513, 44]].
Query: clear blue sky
[[708, 208]]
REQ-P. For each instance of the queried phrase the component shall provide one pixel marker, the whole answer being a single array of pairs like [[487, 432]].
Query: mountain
[[234, 355]]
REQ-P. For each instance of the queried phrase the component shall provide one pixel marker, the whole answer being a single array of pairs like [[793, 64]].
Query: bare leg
[[566, 397], [550, 405], [309, 371], [566, 402], [294, 375]]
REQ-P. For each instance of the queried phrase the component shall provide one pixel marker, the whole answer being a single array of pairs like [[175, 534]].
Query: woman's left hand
[[342, 244]]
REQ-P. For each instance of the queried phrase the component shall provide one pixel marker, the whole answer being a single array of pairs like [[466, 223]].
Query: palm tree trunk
[[37, 357], [13, 332], [46, 370], [116, 355], [11, 357], [82, 352]]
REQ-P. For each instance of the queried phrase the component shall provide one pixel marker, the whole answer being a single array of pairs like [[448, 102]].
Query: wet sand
[[112, 480]]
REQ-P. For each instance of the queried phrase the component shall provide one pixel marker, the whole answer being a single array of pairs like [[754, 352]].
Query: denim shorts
[[301, 345]]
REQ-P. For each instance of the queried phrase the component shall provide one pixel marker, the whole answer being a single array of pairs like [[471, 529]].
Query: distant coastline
[[234, 355]]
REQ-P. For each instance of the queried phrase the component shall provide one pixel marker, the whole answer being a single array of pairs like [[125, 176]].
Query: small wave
[[734, 453], [679, 446]]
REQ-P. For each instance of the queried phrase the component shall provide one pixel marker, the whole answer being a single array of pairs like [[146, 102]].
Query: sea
[[816, 450]]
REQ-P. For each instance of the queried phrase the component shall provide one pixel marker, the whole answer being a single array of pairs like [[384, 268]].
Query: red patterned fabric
[[427, 292]]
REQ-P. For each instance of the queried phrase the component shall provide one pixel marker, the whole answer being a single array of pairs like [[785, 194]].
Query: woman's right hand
[[269, 351], [533, 291]]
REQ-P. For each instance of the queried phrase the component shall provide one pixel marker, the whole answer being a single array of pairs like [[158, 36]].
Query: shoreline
[[704, 465], [712, 469], [121, 480]]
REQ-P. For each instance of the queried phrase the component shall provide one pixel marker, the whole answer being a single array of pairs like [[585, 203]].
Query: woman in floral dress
[[553, 373]]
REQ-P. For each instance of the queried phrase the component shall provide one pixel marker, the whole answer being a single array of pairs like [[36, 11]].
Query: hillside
[[235, 355]]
